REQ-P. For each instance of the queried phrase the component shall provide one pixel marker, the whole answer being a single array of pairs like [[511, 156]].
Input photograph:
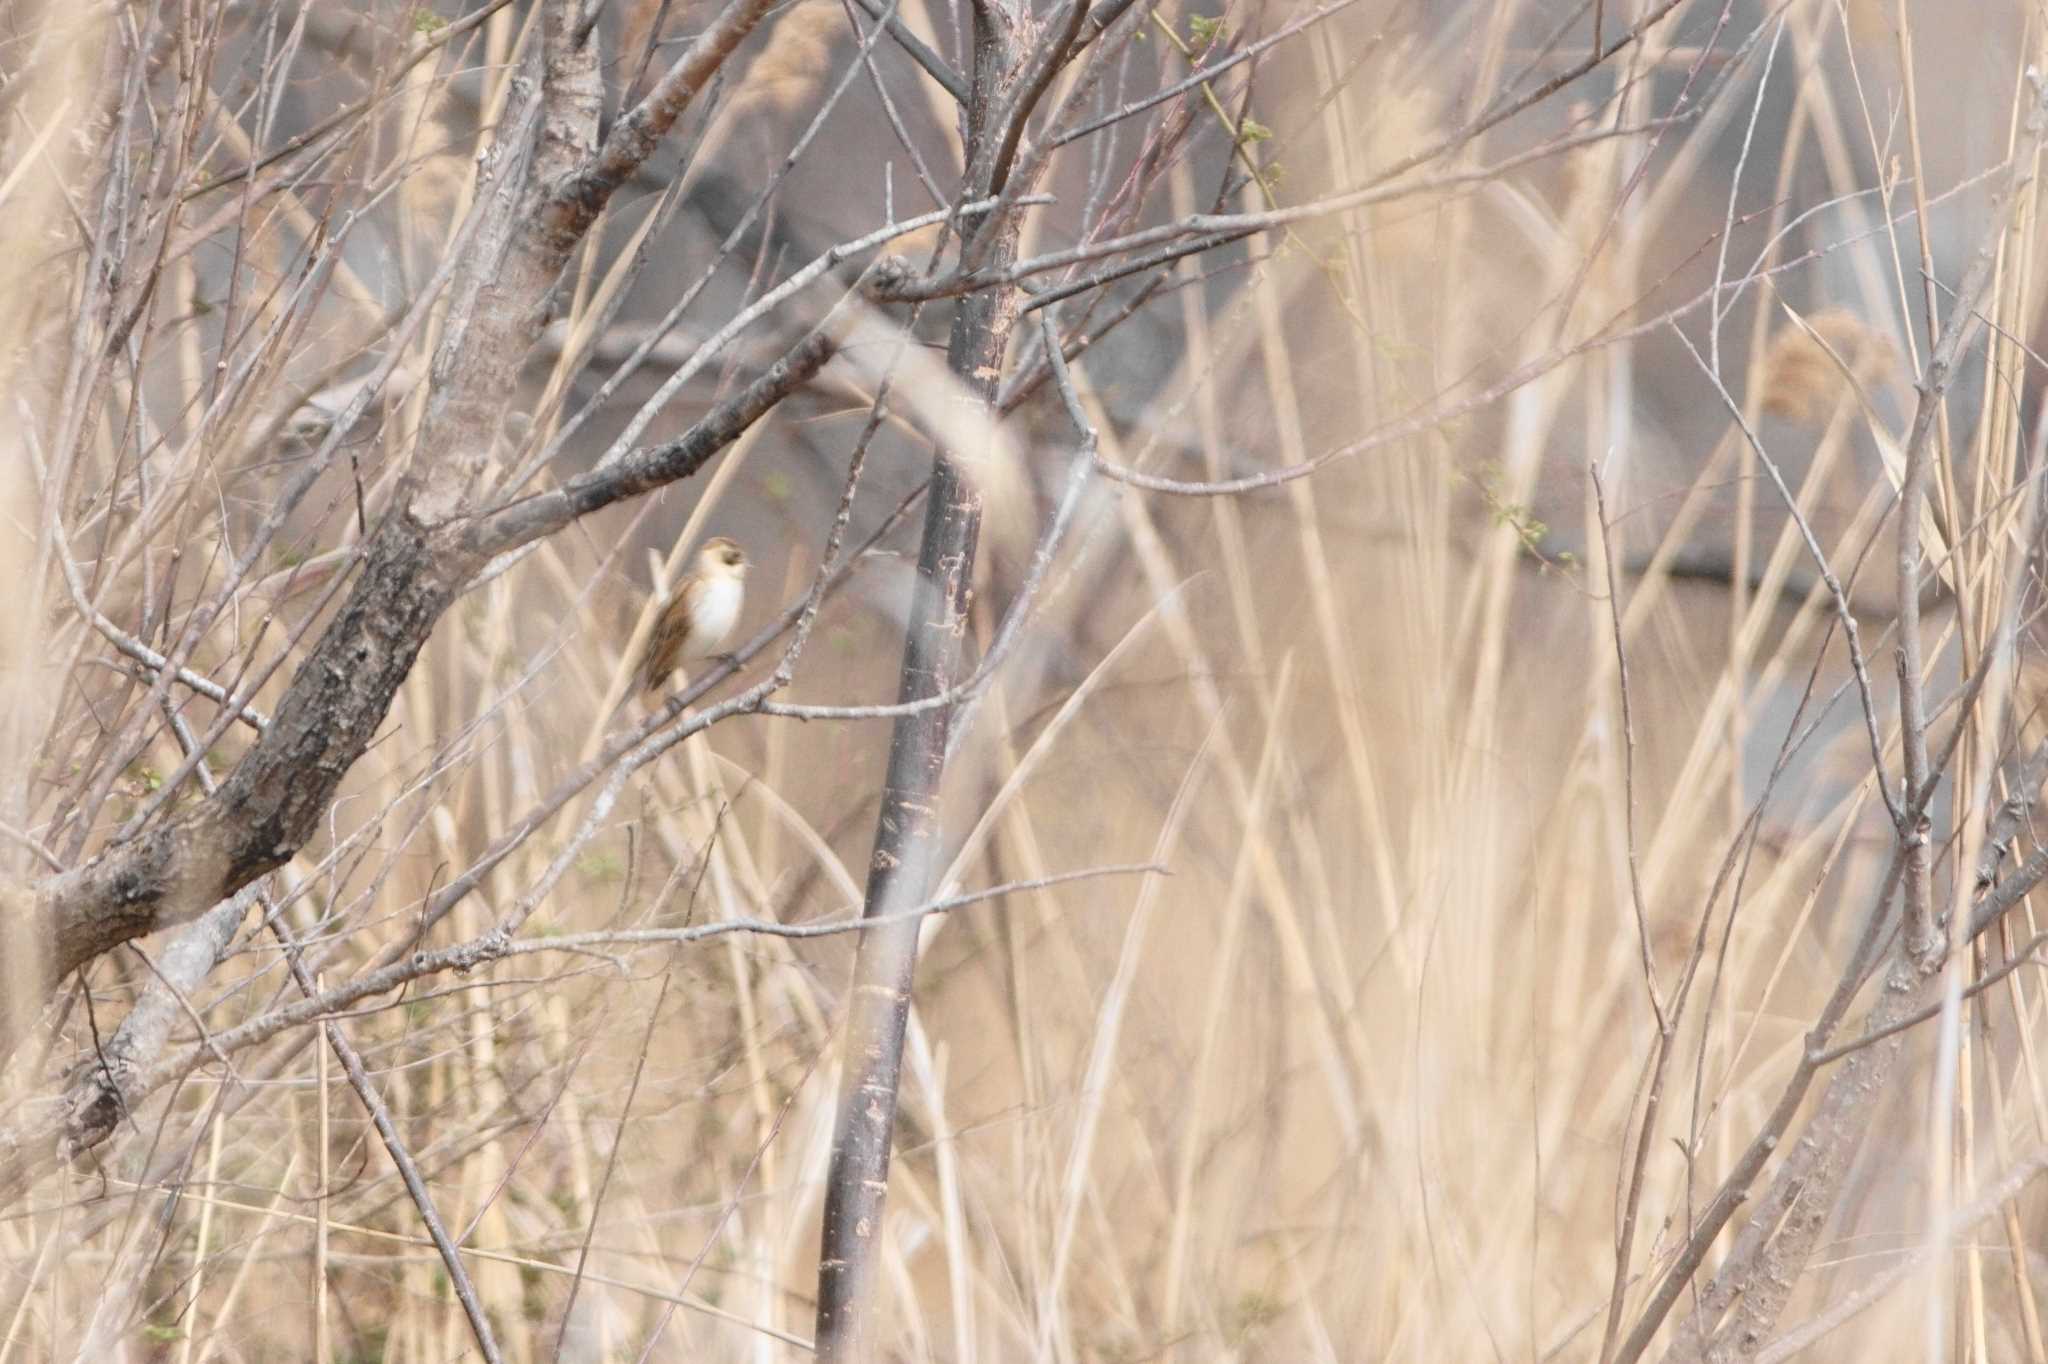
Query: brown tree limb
[[1925, 939], [575, 201], [907, 852], [1802, 1187], [2002, 1192], [271, 804]]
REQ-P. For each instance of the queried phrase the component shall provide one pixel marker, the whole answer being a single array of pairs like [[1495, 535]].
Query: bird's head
[[722, 558]]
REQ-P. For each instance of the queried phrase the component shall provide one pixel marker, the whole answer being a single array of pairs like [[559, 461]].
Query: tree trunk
[[909, 830]]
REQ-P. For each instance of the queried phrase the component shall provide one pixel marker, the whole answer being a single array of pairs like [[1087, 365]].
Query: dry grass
[[1362, 1078]]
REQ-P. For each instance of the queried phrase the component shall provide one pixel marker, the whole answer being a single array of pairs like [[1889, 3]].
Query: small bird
[[698, 615]]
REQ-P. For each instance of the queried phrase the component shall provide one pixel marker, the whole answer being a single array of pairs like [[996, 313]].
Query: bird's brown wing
[[671, 632]]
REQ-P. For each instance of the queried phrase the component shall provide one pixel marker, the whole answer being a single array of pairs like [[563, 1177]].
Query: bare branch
[[1925, 939], [573, 204]]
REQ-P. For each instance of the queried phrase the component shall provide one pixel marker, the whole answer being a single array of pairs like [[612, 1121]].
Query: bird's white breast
[[716, 611]]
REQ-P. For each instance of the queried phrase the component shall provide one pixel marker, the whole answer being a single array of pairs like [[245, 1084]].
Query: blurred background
[[1364, 1077]]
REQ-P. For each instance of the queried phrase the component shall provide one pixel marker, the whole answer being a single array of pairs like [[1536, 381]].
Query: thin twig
[[1843, 611], [2020, 958], [1624, 1247]]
